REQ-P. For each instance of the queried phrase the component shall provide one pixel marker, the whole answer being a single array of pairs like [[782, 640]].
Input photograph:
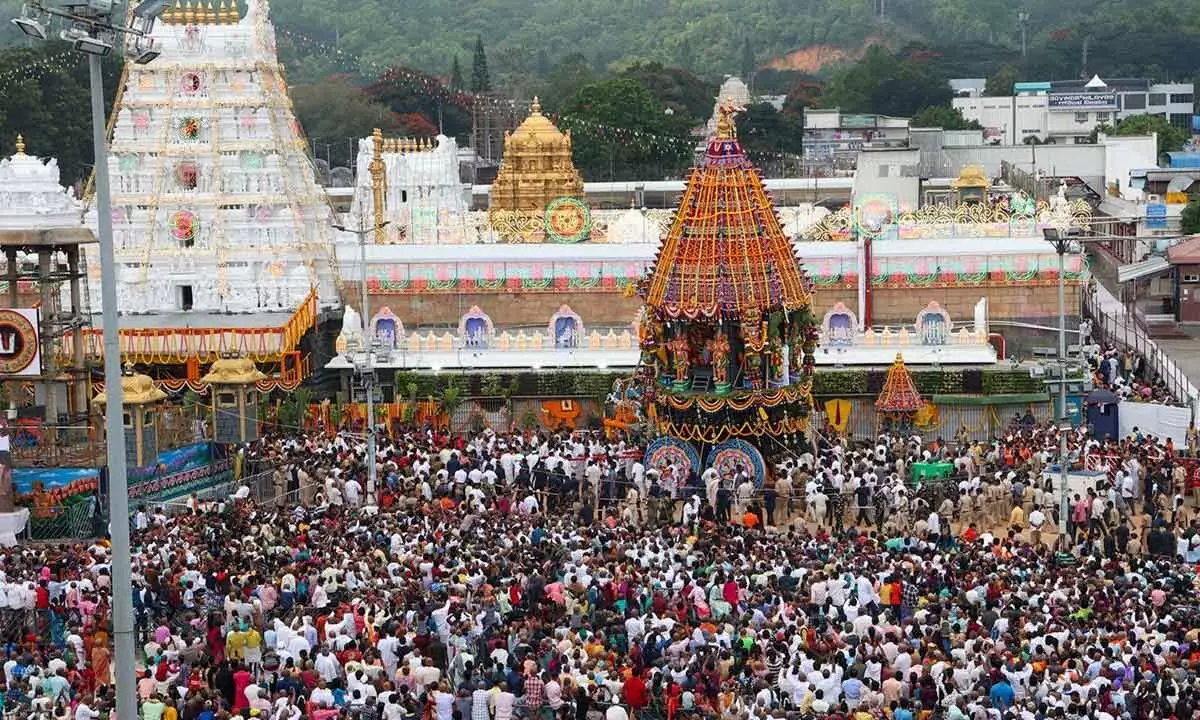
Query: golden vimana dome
[[537, 167]]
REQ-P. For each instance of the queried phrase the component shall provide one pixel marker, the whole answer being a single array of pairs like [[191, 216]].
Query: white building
[[1066, 112], [215, 203], [833, 139], [421, 184]]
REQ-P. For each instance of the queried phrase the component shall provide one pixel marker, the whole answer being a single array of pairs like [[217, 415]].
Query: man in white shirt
[[503, 702], [353, 492], [327, 665], [1036, 520]]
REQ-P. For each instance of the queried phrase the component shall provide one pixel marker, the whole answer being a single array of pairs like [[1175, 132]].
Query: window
[[1103, 117], [1181, 120], [185, 297], [1134, 101], [1158, 98], [1082, 139], [1181, 98], [1081, 117], [226, 399], [1191, 278]]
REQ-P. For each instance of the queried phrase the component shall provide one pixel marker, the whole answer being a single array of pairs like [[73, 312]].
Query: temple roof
[[725, 252], [135, 390], [537, 167], [233, 371], [899, 392]]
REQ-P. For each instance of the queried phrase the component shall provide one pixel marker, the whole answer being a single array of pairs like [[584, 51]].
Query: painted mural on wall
[[180, 472], [42, 488], [177, 473]]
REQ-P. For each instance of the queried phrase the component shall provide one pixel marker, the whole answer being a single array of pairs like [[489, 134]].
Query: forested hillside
[[709, 36]]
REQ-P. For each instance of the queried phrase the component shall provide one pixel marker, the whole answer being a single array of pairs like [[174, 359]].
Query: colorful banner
[[180, 472], [35, 487]]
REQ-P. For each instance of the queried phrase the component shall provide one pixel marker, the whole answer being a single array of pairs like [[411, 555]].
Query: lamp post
[[365, 368], [93, 33], [1061, 244]]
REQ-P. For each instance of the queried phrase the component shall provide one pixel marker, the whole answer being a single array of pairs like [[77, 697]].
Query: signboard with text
[[1156, 216], [1083, 101]]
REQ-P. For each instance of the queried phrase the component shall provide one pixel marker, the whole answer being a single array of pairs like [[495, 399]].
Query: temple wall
[[1017, 302], [1027, 303], [504, 308]]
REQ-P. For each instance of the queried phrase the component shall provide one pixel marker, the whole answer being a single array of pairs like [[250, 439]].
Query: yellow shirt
[[253, 639], [1017, 517], [235, 645]]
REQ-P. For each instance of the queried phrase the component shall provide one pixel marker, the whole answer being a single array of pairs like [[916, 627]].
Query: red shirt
[[634, 692]]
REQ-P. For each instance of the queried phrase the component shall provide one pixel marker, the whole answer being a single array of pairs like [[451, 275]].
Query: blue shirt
[[902, 714], [1001, 695]]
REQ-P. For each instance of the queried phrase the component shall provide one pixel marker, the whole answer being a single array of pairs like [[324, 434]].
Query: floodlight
[[143, 54], [29, 25], [149, 9], [82, 42]]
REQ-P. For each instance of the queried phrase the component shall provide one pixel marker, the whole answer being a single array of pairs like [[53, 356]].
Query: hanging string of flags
[[57, 62], [611, 133], [65, 60]]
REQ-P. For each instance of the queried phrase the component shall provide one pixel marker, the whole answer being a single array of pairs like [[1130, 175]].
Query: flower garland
[[189, 127], [183, 225], [713, 434], [741, 401]]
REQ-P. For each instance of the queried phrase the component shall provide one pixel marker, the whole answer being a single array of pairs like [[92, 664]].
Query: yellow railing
[[165, 346]]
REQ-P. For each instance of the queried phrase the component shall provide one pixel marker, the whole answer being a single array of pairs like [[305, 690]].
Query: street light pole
[[367, 373], [114, 422], [1061, 244]]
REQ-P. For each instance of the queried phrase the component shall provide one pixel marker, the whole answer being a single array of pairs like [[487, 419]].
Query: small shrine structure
[[537, 168], [729, 338], [899, 401]]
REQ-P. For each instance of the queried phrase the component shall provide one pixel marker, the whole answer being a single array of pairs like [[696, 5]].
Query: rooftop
[[184, 320]]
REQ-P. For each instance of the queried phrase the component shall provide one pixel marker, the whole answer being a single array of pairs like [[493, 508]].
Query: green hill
[[524, 37]]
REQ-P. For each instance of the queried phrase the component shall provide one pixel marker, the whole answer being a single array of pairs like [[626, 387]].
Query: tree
[[685, 94], [944, 117], [572, 73], [882, 83], [406, 92], [619, 131], [1170, 138], [336, 113], [1189, 219], [771, 135], [1001, 82], [481, 82], [804, 94], [456, 78], [748, 64]]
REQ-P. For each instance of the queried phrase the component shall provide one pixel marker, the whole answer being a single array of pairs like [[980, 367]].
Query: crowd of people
[[557, 576]]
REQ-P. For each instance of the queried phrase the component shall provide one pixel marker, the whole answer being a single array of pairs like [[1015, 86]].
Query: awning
[[999, 399], [1142, 269]]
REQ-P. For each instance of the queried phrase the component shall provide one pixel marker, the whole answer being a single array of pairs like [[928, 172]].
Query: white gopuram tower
[[216, 207]]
